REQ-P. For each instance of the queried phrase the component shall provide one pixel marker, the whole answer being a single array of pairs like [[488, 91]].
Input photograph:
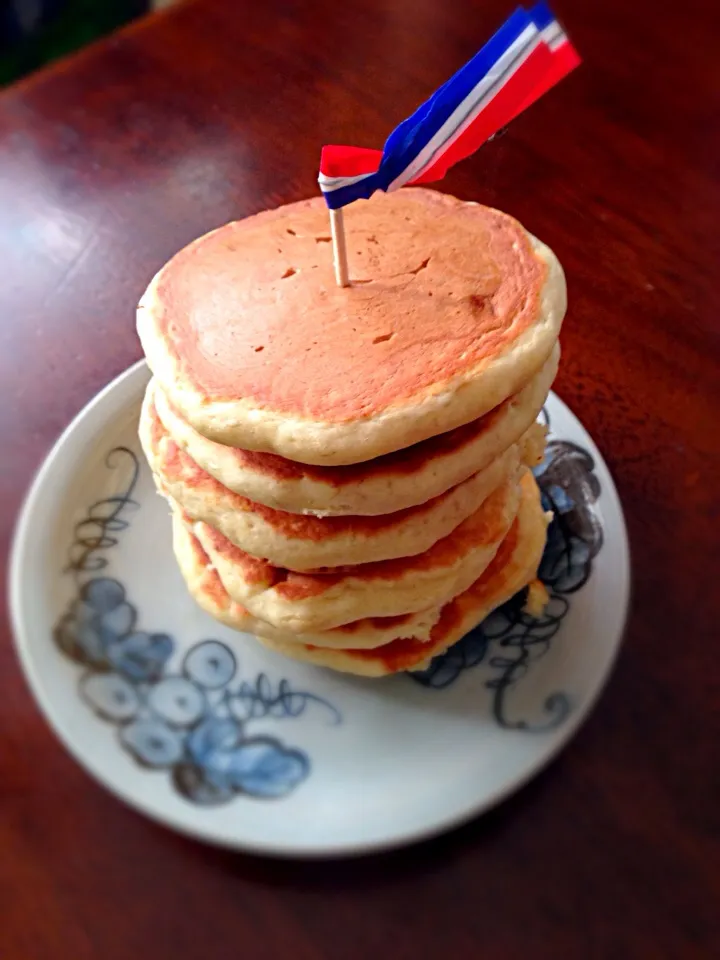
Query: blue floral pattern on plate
[[510, 640], [195, 722]]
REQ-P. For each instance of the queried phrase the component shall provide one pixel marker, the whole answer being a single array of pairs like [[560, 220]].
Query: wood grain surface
[[109, 163]]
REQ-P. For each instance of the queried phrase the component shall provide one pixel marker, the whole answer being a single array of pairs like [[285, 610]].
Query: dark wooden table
[[112, 161]]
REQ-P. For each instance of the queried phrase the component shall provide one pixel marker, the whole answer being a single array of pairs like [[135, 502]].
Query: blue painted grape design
[[195, 722], [510, 640]]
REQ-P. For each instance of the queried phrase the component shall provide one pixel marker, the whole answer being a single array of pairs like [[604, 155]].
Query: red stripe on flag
[[564, 60], [507, 103], [340, 161]]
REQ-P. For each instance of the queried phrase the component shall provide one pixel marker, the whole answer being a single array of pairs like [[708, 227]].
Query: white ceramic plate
[[211, 734]]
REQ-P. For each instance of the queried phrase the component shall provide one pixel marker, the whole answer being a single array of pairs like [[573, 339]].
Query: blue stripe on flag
[[409, 138], [412, 135], [362, 190], [541, 15]]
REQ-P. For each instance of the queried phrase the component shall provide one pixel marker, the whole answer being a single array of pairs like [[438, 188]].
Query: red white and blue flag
[[527, 56]]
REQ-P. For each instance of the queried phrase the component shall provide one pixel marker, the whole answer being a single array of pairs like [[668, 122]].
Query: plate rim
[[335, 849]]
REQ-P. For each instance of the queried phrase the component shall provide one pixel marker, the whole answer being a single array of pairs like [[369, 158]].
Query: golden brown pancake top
[[439, 287]]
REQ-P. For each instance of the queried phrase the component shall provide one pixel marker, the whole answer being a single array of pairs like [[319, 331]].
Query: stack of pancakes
[[348, 467]]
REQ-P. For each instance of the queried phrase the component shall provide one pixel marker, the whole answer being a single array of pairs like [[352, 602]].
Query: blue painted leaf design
[[141, 656], [210, 745], [180, 722], [262, 767], [213, 735]]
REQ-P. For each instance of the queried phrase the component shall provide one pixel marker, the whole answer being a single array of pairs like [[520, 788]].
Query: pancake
[[305, 543], [453, 307], [390, 483], [206, 588], [513, 567], [374, 647], [301, 603]]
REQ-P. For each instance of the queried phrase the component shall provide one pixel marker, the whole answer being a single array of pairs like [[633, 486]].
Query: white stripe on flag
[[559, 40], [551, 32], [328, 184], [459, 116], [465, 112]]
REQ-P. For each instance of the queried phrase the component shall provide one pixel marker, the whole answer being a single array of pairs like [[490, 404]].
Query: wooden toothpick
[[337, 227]]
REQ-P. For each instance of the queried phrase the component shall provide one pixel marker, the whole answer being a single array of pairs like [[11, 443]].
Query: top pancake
[[452, 308]]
